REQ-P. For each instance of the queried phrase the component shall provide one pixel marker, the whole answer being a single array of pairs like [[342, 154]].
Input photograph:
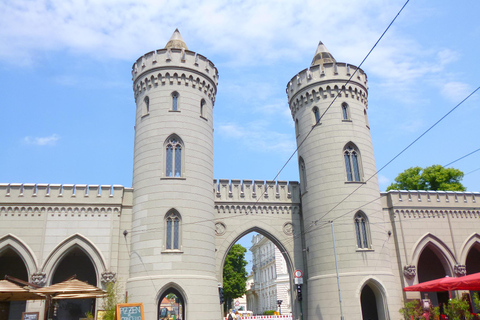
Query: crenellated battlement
[[30, 193], [430, 199], [325, 81], [175, 67], [256, 191]]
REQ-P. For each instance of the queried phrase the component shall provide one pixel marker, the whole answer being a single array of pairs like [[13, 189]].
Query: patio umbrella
[[71, 288], [470, 282], [12, 292]]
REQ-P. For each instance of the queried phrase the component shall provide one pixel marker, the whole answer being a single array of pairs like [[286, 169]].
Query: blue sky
[[67, 106]]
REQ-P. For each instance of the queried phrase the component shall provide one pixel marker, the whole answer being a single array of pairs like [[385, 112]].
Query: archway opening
[[268, 287], [12, 264], [431, 266], [171, 305], [369, 304], [472, 264], [74, 262]]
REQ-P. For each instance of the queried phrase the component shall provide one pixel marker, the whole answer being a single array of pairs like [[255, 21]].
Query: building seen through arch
[[164, 239]]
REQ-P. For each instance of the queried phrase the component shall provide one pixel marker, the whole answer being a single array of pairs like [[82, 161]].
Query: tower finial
[[176, 41], [322, 55]]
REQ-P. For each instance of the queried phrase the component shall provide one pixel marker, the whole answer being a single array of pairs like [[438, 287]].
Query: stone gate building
[[171, 231]]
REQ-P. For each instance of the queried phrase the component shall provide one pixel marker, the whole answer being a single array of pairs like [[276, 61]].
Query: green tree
[[113, 297], [234, 274], [434, 177]]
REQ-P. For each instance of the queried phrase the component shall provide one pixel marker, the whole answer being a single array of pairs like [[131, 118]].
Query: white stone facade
[[170, 232], [271, 281]]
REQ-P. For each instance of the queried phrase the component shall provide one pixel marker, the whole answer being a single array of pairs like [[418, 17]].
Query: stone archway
[[373, 301], [12, 264]]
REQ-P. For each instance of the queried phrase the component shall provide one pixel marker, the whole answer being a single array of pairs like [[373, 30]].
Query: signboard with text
[[30, 316], [129, 311]]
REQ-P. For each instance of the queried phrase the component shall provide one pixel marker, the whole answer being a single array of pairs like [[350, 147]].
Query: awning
[[9, 291], [470, 282]]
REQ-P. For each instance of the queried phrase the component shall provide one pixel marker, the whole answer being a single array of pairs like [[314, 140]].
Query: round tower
[[338, 185], [173, 236]]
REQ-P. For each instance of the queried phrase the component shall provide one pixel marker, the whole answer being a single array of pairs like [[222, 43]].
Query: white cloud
[[455, 91], [42, 141], [383, 180], [266, 139]]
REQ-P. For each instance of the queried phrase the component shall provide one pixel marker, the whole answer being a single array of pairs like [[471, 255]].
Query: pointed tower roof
[[322, 55], [176, 41]]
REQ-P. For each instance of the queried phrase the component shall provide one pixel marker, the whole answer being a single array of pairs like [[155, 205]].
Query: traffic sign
[[298, 273], [237, 303]]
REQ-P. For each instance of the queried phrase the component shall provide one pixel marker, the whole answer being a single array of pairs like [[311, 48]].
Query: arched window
[[172, 230], [362, 230], [173, 157], [316, 114], [146, 106], [175, 97], [345, 112], [352, 162], [303, 175], [202, 104]]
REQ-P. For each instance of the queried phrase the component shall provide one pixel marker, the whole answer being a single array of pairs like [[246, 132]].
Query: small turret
[[176, 41], [322, 55]]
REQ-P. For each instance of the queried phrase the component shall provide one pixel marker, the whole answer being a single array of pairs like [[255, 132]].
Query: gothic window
[[316, 113], [202, 104], [146, 106], [303, 175], [175, 97], [172, 232], [362, 230], [345, 112], [173, 157], [352, 162]]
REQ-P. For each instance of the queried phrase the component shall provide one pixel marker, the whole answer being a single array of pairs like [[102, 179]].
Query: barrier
[[282, 317]]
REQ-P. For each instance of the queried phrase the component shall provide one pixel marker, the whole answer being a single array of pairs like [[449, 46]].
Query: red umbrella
[[470, 282]]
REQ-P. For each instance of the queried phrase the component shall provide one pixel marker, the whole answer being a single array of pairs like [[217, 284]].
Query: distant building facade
[[169, 234], [271, 281]]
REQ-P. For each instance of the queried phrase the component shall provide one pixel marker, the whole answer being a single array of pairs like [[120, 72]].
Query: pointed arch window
[[174, 157], [303, 175], [202, 111], [171, 305], [362, 230], [352, 162], [345, 112], [146, 106], [172, 230], [175, 97], [316, 114]]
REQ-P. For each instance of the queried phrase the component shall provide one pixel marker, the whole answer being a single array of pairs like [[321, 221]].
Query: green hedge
[[269, 312]]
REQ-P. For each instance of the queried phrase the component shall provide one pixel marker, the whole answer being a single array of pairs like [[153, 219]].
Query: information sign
[[30, 315], [130, 311]]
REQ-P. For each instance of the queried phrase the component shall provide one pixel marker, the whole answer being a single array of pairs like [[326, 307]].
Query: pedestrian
[[238, 316], [231, 315]]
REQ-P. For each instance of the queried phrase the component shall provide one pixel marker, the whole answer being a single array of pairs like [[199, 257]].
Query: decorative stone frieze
[[59, 209], [39, 278], [288, 228], [460, 270], [109, 276], [409, 271]]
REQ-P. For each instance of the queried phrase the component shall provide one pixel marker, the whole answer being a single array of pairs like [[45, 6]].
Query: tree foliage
[[434, 177], [234, 273], [113, 297]]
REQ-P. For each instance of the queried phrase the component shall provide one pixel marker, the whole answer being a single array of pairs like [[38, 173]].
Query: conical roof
[[176, 41], [322, 55]]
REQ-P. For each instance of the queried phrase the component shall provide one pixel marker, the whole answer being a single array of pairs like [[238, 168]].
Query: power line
[[462, 157]]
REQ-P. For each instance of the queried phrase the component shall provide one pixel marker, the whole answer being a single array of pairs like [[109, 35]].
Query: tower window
[[366, 117], [345, 112], [175, 97], [297, 133], [362, 230], [352, 162], [202, 104], [146, 106], [303, 175], [172, 232], [173, 157], [316, 114]]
